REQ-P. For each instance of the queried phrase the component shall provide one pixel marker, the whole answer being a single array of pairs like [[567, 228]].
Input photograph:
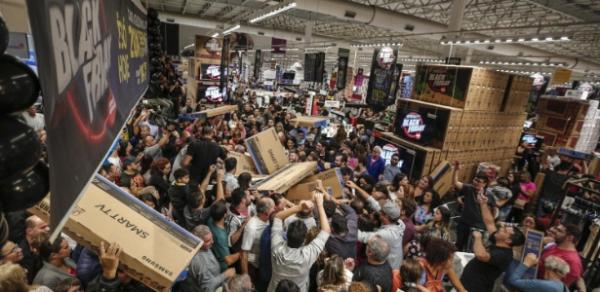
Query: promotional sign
[[561, 75], [224, 64], [278, 46], [208, 60], [93, 72], [343, 56], [381, 78], [106, 213], [309, 67], [446, 85], [533, 244], [257, 64], [422, 124], [396, 83]]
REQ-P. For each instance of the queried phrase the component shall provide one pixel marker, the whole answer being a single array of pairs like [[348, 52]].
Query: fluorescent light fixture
[[564, 38], [534, 39], [549, 39], [486, 41], [216, 34], [508, 41], [521, 40], [230, 30], [521, 63], [498, 41], [274, 12]]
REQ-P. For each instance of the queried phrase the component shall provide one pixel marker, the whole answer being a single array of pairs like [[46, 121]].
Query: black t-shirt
[[375, 274], [471, 214], [552, 187], [480, 276], [204, 153]]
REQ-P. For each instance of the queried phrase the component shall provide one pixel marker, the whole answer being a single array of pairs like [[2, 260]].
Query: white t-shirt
[[36, 122], [251, 240]]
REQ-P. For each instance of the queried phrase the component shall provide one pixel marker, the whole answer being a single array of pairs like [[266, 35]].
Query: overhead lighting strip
[[232, 29], [524, 72], [521, 63], [374, 45], [505, 40], [421, 60], [274, 12]]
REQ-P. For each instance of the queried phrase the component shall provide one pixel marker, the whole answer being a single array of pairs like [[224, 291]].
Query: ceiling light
[[274, 12], [521, 40], [549, 39], [477, 41], [534, 39], [486, 41], [508, 40], [216, 34], [230, 30], [564, 38], [498, 41]]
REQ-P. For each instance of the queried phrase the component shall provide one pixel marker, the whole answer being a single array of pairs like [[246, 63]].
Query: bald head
[[35, 226], [265, 206]]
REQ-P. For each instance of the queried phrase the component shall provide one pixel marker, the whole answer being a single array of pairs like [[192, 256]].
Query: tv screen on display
[[422, 124], [407, 156], [533, 140]]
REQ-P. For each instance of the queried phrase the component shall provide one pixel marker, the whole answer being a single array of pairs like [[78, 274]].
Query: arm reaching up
[[486, 213], [322, 217], [455, 170]]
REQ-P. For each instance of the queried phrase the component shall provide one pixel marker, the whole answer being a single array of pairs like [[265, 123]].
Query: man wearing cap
[[391, 230]]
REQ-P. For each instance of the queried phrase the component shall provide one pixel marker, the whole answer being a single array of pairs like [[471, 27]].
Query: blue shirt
[[533, 285]]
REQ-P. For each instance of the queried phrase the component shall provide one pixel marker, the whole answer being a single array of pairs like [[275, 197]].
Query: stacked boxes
[[486, 112], [590, 131], [562, 121]]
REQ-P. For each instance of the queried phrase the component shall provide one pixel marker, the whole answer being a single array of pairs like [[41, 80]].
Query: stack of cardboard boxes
[[568, 122], [486, 111]]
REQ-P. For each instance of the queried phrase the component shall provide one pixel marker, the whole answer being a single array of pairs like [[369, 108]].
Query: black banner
[[309, 67], [381, 78], [395, 83], [224, 65], [257, 64], [93, 68], [343, 56]]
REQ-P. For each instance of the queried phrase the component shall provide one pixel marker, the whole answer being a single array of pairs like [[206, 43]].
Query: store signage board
[[561, 75], [381, 78], [445, 84], [343, 57], [86, 101], [107, 214]]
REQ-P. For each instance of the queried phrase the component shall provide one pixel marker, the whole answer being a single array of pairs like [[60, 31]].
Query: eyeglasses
[[15, 249]]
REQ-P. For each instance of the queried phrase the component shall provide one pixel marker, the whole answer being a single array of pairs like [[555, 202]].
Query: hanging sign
[[381, 78], [343, 55], [93, 72], [561, 75]]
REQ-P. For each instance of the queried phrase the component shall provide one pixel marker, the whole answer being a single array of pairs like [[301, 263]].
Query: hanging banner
[[381, 78], [93, 72], [309, 67], [561, 75], [257, 64], [396, 82], [278, 46], [225, 58], [343, 55], [208, 60]]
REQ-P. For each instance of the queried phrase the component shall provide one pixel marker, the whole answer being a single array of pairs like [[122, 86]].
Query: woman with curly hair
[[437, 263]]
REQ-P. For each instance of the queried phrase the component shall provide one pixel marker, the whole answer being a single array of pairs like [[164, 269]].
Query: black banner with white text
[[93, 67]]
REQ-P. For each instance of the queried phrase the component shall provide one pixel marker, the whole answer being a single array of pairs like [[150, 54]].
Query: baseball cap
[[391, 210]]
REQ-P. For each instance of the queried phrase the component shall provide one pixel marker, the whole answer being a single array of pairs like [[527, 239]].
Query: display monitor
[[532, 140], [422, 124]]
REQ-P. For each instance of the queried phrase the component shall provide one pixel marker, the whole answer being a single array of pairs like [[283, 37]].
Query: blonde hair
[[557, 265], [13, 278]]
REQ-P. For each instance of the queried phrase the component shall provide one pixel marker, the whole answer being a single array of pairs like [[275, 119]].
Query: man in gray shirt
[[290, 259], [391, 230], [204, 267], [392, 169]]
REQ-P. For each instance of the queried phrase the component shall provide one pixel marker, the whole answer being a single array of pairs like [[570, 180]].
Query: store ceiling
[[579, 19]]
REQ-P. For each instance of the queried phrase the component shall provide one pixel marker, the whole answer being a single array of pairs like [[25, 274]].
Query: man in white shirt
[[230, 180], [33, 118], [290, 259], [249, 257]]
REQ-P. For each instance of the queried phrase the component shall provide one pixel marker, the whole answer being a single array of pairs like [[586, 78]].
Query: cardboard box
[[209, 113], [267, 152], [287, 177], [244, 163], [307, 122], [107, 214], [442, 178], [332, 181]]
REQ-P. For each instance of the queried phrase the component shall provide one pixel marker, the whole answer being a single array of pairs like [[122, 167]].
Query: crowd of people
[[386, 233]]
